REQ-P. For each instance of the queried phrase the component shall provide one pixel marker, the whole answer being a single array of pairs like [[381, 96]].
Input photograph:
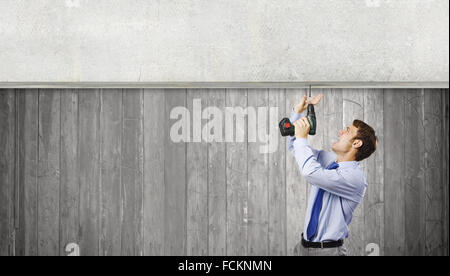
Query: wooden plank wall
[[97, 168]]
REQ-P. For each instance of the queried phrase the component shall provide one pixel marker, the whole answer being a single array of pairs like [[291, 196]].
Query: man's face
[[345, 141]]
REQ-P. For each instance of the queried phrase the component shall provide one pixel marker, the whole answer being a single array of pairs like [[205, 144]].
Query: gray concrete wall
[[232, 40]]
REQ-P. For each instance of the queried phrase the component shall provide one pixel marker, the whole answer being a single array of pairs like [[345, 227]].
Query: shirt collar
[[348, 164]]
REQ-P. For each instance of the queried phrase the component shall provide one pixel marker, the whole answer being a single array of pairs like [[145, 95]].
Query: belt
[[328, 244]]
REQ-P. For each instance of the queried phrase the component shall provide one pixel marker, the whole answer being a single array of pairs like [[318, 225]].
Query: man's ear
[[357, 144]]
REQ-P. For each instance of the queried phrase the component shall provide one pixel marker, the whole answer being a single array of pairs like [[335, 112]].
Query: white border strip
[[224, 84]]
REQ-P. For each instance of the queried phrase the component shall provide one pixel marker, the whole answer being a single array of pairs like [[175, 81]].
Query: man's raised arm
[[294, 117]]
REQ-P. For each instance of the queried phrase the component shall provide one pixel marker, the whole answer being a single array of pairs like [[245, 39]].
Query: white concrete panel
[[224, 40]]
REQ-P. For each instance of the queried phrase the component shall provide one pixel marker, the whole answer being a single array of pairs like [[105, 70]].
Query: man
[[337, 179]]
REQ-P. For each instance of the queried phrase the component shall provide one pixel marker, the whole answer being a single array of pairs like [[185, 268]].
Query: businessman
[[337, 182]]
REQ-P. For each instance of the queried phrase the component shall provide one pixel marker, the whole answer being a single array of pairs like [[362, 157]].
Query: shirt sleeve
[[330, 180], [294, 117]]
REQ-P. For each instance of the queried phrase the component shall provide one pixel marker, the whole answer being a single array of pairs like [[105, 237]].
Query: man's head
[[358, 140]]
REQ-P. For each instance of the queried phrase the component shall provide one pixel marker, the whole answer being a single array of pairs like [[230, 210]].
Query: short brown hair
[[369, 140]]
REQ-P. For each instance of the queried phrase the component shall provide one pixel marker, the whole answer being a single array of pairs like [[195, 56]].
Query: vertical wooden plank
[[258, 209], [445, 164], [132, 172], [110, 187], [155, 123], [333, 116], [89, 170], [48, 175], [15, 220], [7, 161], [296, 185], [4, 179], [353, 108], [394, 191], [217, 194], [175, 180], [373, 169], [277, 176], [69, 200], [197, 178], [414, 173], [5, 184], [236, 174], [26, 237], [433, 174]]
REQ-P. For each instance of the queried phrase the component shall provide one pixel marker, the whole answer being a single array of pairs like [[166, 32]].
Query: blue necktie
[[317, 207]]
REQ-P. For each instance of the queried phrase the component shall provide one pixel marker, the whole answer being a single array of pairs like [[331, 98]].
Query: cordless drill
[[288, 129]]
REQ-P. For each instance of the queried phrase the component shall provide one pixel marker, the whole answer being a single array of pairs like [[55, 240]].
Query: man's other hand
[[302, 127], [300, 107]]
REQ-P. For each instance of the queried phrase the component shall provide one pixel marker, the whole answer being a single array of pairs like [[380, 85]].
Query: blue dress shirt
[[344, 187]]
